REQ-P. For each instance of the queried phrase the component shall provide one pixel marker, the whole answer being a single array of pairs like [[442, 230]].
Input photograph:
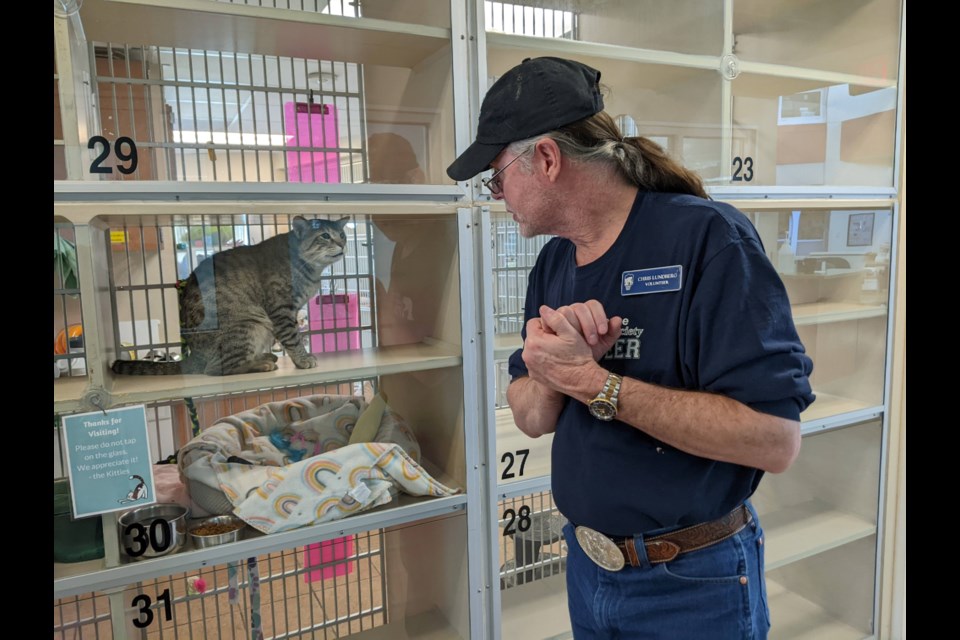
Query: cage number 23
[[123, 147]]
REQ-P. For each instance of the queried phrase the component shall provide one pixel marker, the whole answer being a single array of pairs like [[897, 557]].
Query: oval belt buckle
[[601, 549]]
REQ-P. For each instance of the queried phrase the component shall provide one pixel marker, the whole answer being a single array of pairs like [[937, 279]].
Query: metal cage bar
[[193, 111], [531, 544]]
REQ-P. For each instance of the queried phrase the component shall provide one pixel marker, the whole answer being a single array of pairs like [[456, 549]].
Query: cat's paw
[[309, 362]]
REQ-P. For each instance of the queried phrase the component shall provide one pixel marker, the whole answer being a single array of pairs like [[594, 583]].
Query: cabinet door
[[519, 457], [813, 93], [820, 520], [384, 319], [179, 99], [533, 560], [835, 265]]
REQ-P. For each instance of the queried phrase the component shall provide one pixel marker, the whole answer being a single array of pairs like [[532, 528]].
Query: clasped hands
[[563, 345]]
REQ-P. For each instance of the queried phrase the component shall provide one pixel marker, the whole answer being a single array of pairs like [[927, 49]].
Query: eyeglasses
[[493, 182]]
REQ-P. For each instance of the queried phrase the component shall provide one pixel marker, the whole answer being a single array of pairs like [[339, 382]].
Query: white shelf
[[763, 80], [823, 312], [429, 625], [807, 529], [332, 367], [536, 610], [796, 618], [68, 394], [510, 438], [202, 24], [757, 79], [578, 49], [504, 344], [827, 405], [94, 575]]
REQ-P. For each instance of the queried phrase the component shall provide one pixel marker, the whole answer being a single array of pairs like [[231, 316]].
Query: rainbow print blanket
[[326, 487]]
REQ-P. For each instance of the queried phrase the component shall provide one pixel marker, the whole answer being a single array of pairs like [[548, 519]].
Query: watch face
[[603, 409]]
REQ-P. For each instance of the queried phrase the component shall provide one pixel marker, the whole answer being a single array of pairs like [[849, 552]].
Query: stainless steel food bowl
[[202, 541], [152, 531]]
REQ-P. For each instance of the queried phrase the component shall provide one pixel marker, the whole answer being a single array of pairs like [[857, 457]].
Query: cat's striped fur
[[234, 304]]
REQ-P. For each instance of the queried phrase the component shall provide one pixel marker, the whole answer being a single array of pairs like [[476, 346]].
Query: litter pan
[[73, 540]]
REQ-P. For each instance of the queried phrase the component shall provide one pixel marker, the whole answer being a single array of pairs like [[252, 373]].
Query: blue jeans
[[715, 593]]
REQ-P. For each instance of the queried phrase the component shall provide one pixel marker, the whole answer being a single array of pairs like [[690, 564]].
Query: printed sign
[[108, 455], [656, 280]]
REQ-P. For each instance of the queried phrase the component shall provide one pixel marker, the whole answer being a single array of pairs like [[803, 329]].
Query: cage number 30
[[145, 617], [158, 537], [523, 521], [510, 457], [123, 147]]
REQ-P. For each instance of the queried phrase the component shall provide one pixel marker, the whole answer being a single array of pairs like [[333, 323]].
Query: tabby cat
[[234, 304]]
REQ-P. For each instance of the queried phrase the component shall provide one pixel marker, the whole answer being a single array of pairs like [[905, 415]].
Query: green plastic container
[[73, 540]]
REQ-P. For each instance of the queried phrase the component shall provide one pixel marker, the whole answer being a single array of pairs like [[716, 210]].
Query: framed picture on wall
[[860, 230]]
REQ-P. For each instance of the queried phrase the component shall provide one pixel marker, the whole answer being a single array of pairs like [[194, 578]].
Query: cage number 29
[[123, 147], [742, 169], [145, 617], [509, 458], [159, 536]]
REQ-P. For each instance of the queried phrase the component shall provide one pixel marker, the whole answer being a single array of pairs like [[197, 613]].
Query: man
[[659, 348]]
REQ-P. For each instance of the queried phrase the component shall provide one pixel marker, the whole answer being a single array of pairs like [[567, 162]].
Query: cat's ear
[[300, 224], [343, 222]]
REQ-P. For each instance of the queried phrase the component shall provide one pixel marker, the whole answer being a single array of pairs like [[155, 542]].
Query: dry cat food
[[215, 529]]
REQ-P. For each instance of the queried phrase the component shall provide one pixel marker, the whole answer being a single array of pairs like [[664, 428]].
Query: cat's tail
[[149, 368]]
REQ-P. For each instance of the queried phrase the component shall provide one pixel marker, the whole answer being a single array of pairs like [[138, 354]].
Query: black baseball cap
[[536, 96]]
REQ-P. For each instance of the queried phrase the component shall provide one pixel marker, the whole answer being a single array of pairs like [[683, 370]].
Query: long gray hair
[[640, 160]]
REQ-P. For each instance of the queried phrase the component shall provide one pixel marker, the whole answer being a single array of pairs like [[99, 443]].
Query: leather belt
[[615, 553]]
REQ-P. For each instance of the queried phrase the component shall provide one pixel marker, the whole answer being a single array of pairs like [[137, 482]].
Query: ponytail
[[641, 161]]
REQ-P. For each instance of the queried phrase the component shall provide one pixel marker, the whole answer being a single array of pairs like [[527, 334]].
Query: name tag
[[656, 280]]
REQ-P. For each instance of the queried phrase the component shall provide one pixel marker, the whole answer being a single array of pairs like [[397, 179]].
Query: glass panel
[[69, 354], [790, 132], [533, 560], [84, 617], [860, 38], [222, 116], [820, 521], [675, 106], [687, 26], [835, 264], [424, 12], [520, 457], [59, 156], [384, 286], [372, 585]]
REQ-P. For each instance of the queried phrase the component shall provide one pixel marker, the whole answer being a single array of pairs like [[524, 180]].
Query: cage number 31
[[143, 603], [123, 147]]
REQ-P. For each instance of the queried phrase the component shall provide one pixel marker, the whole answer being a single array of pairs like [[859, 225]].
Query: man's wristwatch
[[604, 406]]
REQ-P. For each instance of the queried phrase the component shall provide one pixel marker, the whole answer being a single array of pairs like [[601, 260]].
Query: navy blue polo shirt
[[703, 309]]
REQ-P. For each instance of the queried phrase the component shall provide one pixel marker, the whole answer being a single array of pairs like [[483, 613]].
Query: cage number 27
[[509, 458]]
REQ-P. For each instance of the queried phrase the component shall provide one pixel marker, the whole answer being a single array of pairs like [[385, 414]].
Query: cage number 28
[[123, 147], [145, 617], [521, 517]]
